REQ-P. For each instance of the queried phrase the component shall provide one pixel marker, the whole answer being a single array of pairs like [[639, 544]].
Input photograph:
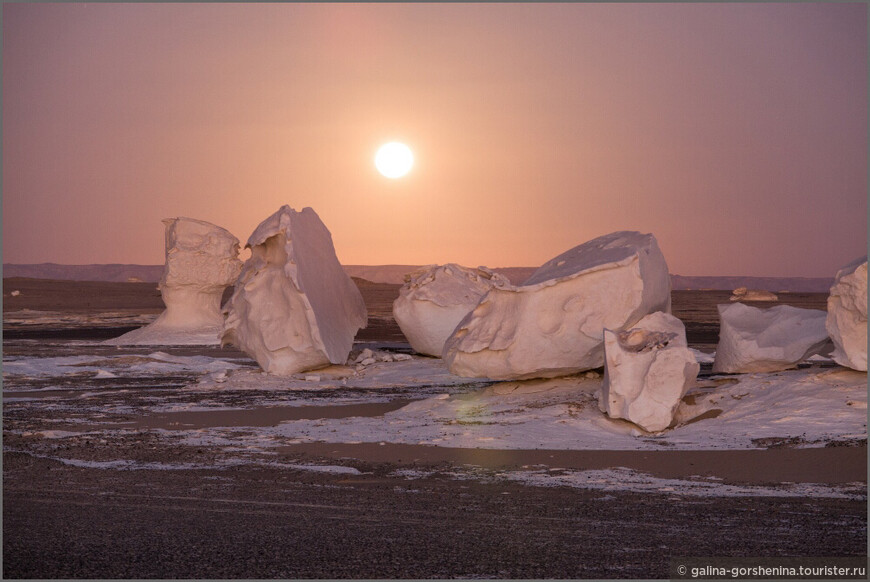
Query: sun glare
[[394, 160]]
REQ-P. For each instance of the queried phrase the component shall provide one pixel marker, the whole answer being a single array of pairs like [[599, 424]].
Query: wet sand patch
[[831, 465], [243, 417]]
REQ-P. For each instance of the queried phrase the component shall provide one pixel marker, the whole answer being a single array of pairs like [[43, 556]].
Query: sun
[[394, 159]]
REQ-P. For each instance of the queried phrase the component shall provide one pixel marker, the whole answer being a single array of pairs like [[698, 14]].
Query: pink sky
[[736, 133]]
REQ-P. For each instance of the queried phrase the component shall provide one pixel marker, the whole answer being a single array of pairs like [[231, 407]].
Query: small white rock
[[648, 370], [767, 340], [436, 298], [744, 294]]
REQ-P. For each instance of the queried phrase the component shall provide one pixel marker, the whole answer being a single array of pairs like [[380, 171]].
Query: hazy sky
[[736, 133]]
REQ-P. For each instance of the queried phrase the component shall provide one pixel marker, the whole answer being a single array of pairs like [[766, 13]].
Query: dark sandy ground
[[68, 512], [261, 522]]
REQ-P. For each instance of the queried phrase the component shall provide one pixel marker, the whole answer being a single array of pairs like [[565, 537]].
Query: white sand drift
[[847, 316], [293, 308], [648, 369], [553, 324], [768, 340], [201, 261], [434, 299]]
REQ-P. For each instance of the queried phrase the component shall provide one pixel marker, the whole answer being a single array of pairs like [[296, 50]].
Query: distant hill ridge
[[396, 274], [111, 272]]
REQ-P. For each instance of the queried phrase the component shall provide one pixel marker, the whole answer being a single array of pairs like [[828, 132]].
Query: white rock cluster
[[293, 308], [367, 357], [647, 371], [847, 315], [768, 340], [552, 325], [744, 294], [434, 299], [201, 261]]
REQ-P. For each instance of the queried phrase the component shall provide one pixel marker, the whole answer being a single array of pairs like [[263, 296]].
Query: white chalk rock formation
[[768, 340], [434, 300], [552, 325], [293, 308], [647, 371], [744, 294], [201, 261], [847, 316]]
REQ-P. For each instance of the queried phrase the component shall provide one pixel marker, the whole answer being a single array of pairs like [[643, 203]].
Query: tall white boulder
[[552, 325], [768, 340], [647, 371], [434, 300], [293, 307], [201, 261], [847, 315]]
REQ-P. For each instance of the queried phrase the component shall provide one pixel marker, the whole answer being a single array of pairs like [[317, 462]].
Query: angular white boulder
[[201, 261], [552, 325], [768, 340], [647, 371], [847, 316], [744, 294], [434, 300], [293, 307]]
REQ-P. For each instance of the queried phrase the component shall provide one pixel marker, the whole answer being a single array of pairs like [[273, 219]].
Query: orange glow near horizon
[[737, 134]]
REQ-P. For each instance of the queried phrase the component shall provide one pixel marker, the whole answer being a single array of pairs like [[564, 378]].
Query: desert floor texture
[[179, 462]]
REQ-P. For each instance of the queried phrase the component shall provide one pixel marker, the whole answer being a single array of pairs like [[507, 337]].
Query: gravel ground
[[265, 522]]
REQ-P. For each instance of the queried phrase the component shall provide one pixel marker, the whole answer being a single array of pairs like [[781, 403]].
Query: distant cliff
[[396, 274]]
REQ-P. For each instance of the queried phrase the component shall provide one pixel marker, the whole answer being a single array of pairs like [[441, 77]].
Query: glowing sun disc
[[394, 159]]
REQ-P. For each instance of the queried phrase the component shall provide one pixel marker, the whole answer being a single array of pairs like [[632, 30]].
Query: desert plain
[[189, 462]]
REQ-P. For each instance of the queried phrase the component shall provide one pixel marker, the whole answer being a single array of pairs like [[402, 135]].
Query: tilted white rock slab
[[293, 307], [847, 316], [553, 324], [201, 261], [648, 369], [434, 300], [768, 340]]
